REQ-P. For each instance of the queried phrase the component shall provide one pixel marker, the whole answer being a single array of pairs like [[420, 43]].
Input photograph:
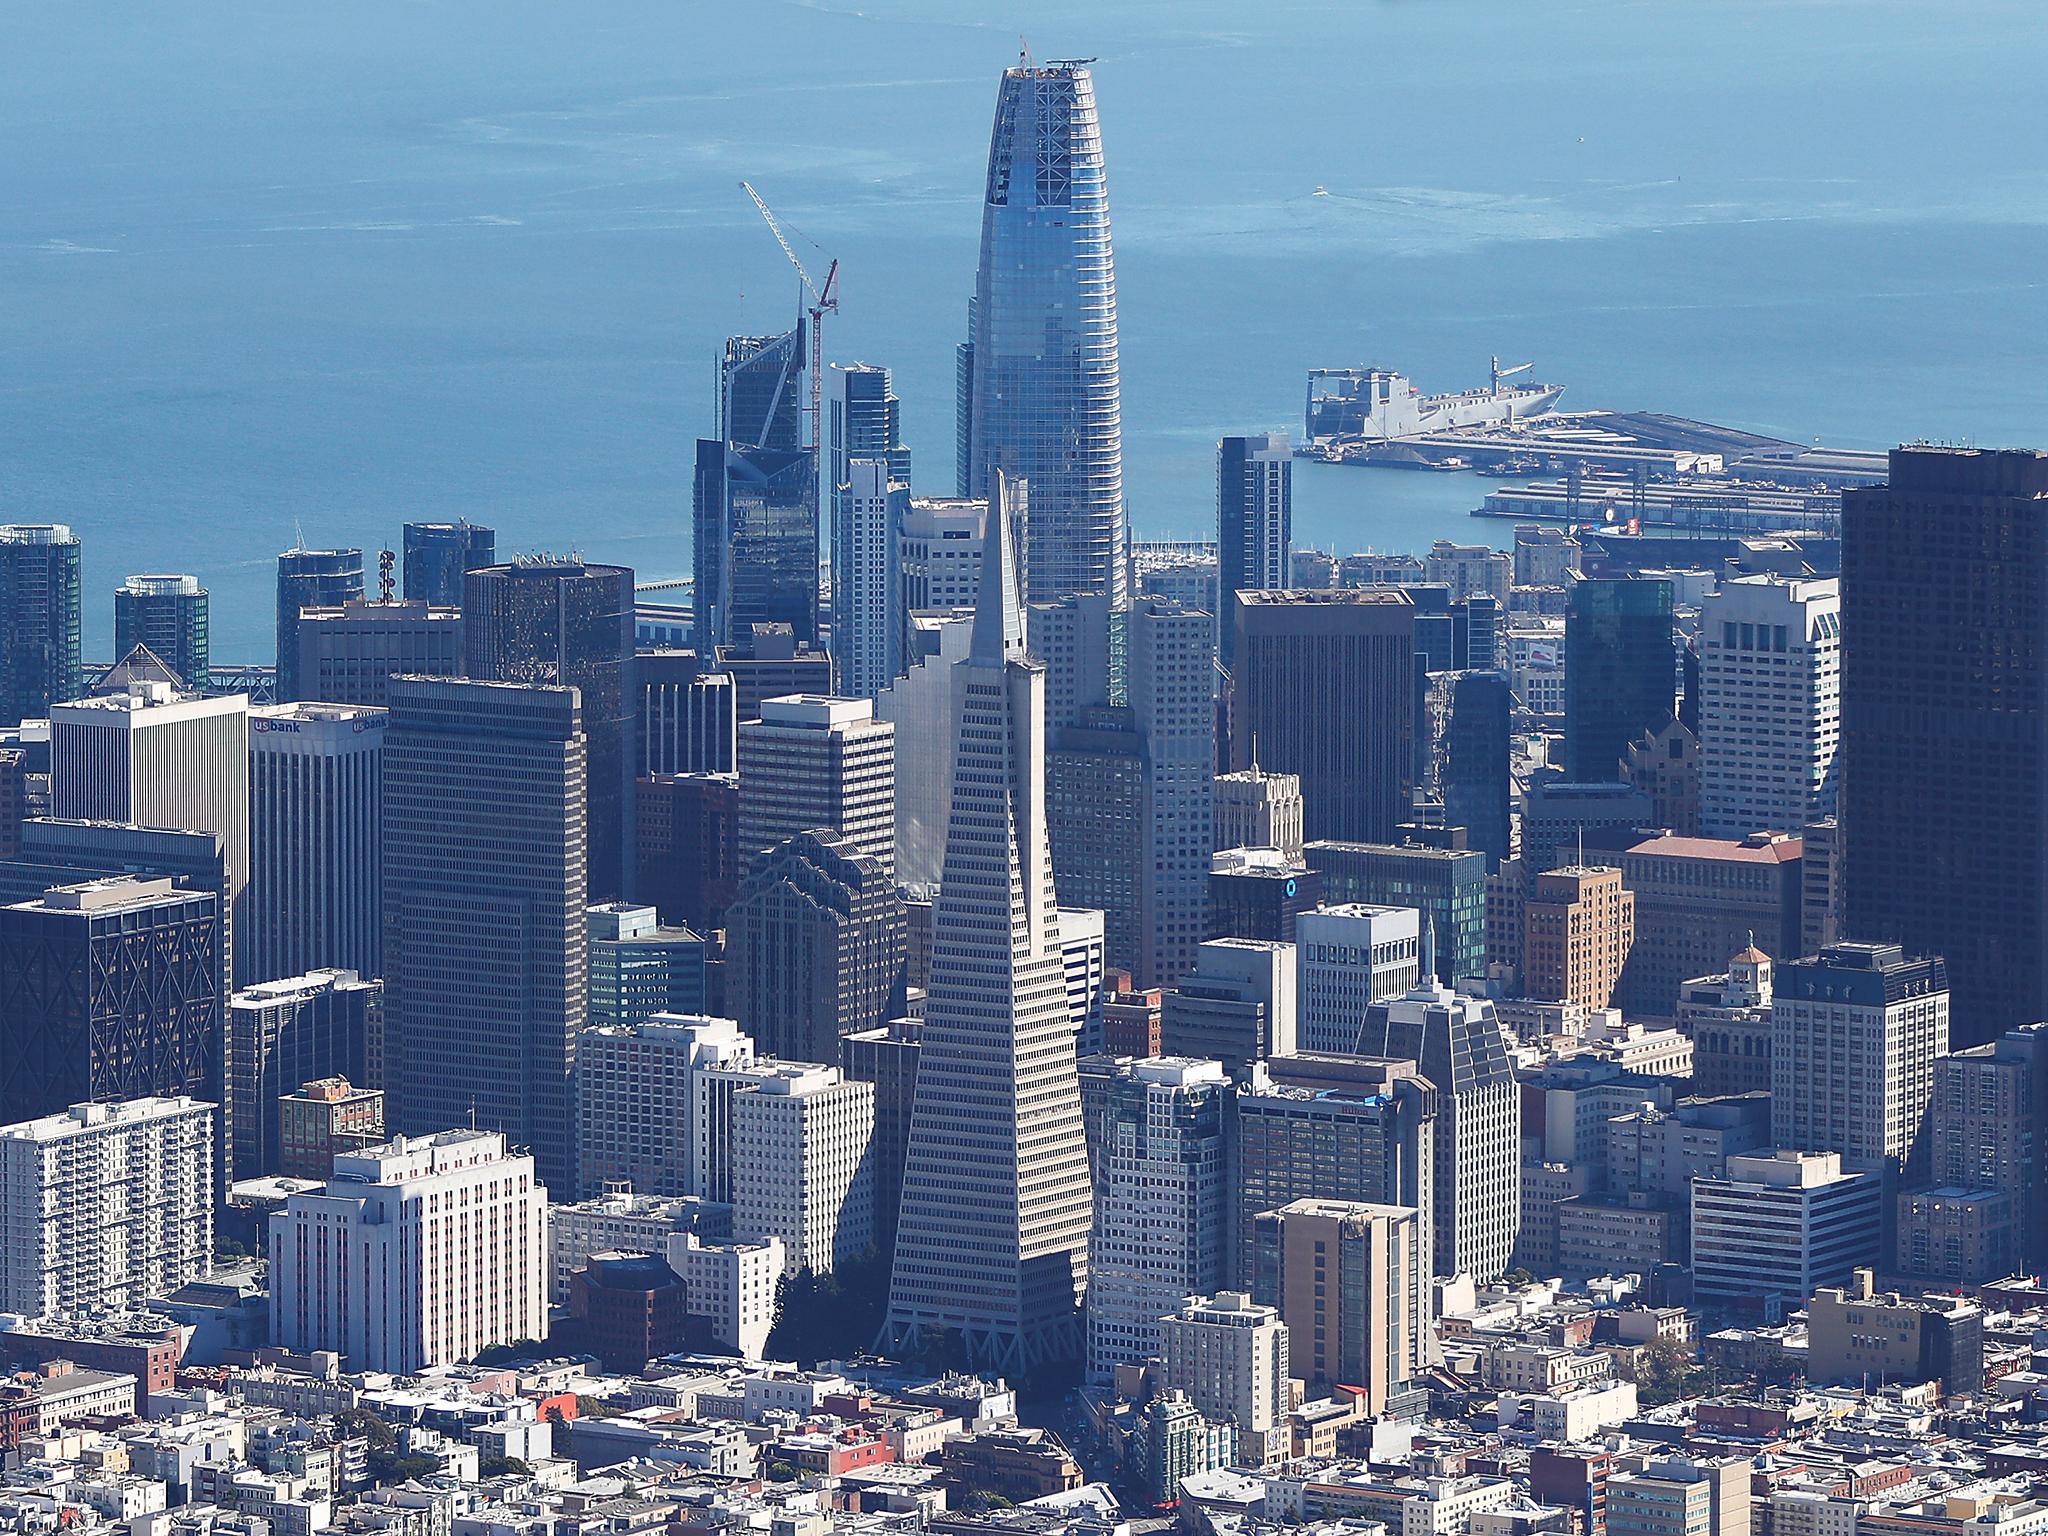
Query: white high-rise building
[[1081, 957], [1777, 1225], [156, 757], [638, 1101], [1856, 1034], [803, 1165], [1156, 1143], [732, 1286], [1770, 704], [420, 1252], [1476, 1178], [941, 558], [1353, 955], [1172, 696], [105, 1205], [812, 762], [316, 870], [992, 1239], [1229, 1355], [868, 628]]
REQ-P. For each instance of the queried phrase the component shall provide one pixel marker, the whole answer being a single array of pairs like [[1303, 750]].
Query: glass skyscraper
[[39, 620], [439, 555], [169, 615], [1040, 394], [1620, 671], [310, 578]]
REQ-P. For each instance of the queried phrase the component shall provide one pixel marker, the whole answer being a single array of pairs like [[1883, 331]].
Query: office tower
[[1664, 763], [760, 385], [1944, 755], [993, 1236], [322, 1118], [887, 1058], [1821, 897], [105, 1205], [1254, 524], [1560, 819], [1259, 893], [1239, 1004], [940, 558], [924, 705], [1989, 1131], [865, 422], [1095, 823], [733, 1287], [424, 1251], [756, 542], [41, 608], [1681, 1493], [689, 715], [818, 763], [639, 967], [1856, 1034], [814, 948], [1079, 640], [1039, 397], [485, 937], [803, 1164], [1581, 923], [281, 1034], [109, 989], [1770, 708], [868, 631], [157, 758], [1172, 664], [316, 807], [1458, 1044], [1325, 684], [1332, 1128], [1085, 971], [1619, 677], [686, 846], [565, 621], [1351, 1282], [310, 578], [1446, 885], [636, 1099], [439, 555], [1230, 1356], [349, 654], [1728, 1019], [1474, 710], [1155, 1139], [1697, 901], [1353, 956], [772, 664], [1778, 1226], [168, 615], [1252, 808]]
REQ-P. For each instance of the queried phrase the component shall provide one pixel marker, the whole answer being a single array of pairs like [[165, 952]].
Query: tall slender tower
[[1040, 394], [992, 1241]]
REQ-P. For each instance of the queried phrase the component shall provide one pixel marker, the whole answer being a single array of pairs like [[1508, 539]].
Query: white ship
[[1377, 405]]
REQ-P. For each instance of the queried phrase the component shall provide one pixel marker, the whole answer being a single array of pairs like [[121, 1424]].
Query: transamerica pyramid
[[992, 1241]]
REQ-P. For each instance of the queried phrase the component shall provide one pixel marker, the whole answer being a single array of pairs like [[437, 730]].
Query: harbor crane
[[824, 300], [1499, 372]]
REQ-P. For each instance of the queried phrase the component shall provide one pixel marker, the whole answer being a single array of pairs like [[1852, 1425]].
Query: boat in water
[[1378, 405]]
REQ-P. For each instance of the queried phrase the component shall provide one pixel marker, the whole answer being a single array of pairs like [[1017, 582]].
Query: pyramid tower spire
[[998, 604]]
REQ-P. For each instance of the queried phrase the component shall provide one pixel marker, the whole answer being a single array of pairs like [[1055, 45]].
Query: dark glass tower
[[558, 620], [1620, 675], [109, 990], [1944, 746], [309, 578], [1254, 523], [867, 422], [39, 620], [1475, 780], [755, 506], [169, 615], [486, 941], [1325, 686], [1043, 396], [439, 555]]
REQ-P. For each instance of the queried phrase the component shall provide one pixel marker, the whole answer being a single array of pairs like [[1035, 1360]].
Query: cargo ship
[[1349, 406]]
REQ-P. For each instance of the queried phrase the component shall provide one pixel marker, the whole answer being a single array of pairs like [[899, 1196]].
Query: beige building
[[1351, 1280], [1229, 1354], [1681, 1496], [1581, 923], [1256, 808], [1856, 1334]]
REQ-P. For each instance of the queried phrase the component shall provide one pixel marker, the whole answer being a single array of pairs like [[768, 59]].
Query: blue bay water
[[269, 268]]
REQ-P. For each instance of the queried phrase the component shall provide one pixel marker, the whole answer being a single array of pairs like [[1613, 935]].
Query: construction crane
[[824, 300], [1499, 372]]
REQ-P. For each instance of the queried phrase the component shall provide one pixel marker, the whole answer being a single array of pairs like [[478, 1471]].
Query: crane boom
[[824, 301]]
